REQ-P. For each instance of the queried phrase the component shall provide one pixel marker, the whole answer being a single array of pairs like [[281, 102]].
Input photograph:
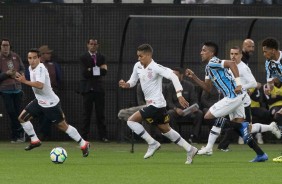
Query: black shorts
[[54, 114], [154, 115]]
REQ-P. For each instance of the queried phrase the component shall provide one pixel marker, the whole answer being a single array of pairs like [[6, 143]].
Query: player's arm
[[205, 85], [21, 78], [250, 79], [132, 81], [168, 74], [233, 67], [269, 78]]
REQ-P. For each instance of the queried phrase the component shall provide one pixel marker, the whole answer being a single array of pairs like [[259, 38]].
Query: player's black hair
[[145, 48], [270, 43], [92, 38], [34, 50], [212, 45], [237, 48]]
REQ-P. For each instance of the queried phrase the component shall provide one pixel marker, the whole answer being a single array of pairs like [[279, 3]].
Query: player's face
[[144, 57], [235, 55], [92, 45], [206, 53], [33, 59], [268, 53]]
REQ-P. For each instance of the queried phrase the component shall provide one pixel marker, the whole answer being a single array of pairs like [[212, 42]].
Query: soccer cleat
[[275, 130], [85, 149], [33, 145], [277, 159], [259, 138], [260, 158], [152, 149], [191, 154], [204, 151]]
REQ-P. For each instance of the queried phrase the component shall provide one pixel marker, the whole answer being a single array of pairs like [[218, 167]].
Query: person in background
[[269, 2], [93, 70], [248, 48], [55, 74], [176, 110], [11, 89], [46, 103]]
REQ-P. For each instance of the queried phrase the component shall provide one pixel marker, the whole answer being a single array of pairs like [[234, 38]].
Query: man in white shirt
[[46, 103], [150, 75]]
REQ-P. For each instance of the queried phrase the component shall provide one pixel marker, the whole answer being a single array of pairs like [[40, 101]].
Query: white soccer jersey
[[246, 76], [247, 79], [45, 96], [151, 82]]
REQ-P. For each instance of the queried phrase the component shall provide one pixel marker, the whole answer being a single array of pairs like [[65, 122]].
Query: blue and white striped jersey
[[274, 69], [221, 77]]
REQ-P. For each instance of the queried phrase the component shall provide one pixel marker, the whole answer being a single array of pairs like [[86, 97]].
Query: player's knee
[[24, 117]]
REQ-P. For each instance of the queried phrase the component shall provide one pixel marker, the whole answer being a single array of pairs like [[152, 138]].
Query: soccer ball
[[58, 155]]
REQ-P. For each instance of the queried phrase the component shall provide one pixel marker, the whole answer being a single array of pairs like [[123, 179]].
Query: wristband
[[238, 81], [179, 94]]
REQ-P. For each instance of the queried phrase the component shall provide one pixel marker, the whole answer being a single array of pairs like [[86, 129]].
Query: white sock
[[139, 129], [258, 127], [176, 138], [73, 133], [213, 137], [29, 130]]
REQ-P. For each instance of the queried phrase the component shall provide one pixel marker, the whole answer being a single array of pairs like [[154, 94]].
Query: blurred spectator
[[11, 89], [248, 48], [255, 1], [175, 109], [55, 73], [47, 1]]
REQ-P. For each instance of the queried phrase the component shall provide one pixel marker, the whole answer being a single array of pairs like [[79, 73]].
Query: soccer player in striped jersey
[[218, 73], [273, 67], [248, 82], [150, 75]]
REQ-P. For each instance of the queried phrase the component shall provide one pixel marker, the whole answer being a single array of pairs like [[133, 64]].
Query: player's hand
[[238, 89], [189, 73], [123, 84], [183, 102]]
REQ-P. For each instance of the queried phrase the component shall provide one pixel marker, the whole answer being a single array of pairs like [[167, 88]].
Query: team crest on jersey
[[150, 74]]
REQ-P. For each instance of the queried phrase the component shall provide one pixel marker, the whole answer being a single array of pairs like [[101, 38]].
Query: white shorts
[[234, 107]]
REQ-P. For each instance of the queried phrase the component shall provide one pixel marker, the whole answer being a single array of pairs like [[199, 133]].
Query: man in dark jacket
[[93, 69]]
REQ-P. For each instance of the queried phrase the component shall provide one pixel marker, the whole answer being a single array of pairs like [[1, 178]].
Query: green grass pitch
[[113, 163]]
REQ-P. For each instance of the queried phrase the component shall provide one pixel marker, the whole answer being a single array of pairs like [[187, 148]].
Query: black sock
[[252, 144]]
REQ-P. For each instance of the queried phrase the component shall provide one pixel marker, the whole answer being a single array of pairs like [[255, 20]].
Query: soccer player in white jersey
[[248, 81], [150, 75], [218, 74], [273, 67], [46, 102]]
